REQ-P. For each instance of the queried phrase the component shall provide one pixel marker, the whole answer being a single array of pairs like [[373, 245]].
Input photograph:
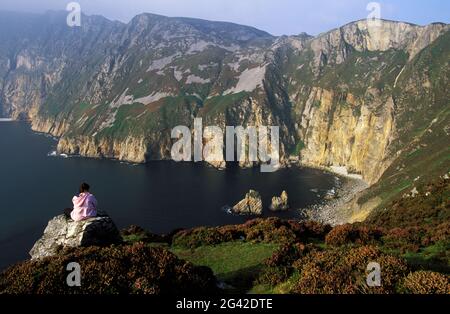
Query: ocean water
[[159, 196]]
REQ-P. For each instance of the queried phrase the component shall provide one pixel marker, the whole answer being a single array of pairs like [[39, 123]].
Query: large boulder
[[250, 205], [62, 232], [280, 203]]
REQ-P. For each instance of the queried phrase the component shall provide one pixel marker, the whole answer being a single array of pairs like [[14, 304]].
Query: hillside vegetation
[[410, 241]]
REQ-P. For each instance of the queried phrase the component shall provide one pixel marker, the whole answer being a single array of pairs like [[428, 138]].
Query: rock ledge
[[62, 232]]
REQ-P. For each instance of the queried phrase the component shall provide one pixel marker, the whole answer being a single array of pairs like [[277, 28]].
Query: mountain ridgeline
[[372, 98]]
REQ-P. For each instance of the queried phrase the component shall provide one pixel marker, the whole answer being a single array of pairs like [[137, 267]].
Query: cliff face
[[345, 96], [376, 36], [116, 90], [338, 135], [132, 149]]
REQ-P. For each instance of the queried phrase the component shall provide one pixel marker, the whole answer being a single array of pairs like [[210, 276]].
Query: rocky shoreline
[[331, 211]]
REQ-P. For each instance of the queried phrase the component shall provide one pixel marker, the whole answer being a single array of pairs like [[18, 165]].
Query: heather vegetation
[[129, 269], [409, 240], [317, 259]]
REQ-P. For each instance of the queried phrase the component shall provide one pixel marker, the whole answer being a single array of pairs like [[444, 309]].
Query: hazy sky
[[275, 16]]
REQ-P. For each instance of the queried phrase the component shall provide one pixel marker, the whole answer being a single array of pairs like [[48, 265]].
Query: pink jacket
[[84, 206]]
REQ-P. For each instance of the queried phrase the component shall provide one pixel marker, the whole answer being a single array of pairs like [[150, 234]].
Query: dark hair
[[84, 187]]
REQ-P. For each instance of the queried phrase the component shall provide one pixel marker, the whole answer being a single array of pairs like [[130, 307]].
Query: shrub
[[437, 234], [134, 234], [136, 269], [133, 229], [406, 239], [137, 234], [270, 230], [356, 234], [273, 275], [278, 267], [195, 238], [426, 282], [278, 235], [306, 230], [430, 206], [283, 231], [232, 232], [287, 254], [412, 239], [343, 270]]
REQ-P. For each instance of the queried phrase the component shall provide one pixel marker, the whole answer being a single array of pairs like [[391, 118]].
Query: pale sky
[[274, 16]]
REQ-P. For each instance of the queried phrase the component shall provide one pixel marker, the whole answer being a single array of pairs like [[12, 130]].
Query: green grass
[[235, 263], [286, 287], [133, 238], [219, 104], [362, 69], [435, 257], [262, 289], [387, 194]]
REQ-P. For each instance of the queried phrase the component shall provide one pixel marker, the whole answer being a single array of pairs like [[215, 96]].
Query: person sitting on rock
[[84, 205]]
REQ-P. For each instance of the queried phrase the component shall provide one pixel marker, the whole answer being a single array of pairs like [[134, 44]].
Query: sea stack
[[280, 203], [250, 205]]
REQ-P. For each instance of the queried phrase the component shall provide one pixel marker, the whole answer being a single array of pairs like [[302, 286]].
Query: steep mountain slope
[[371, 98], [422, 142], [40, 53], [343, 95]]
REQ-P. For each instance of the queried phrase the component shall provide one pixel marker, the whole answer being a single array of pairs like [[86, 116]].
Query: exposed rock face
[[336, 136], [130, 149], [340, 99], [62, 232], [280, 203], [250, 205], [367, 36]]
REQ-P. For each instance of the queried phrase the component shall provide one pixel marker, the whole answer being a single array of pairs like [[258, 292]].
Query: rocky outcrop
[[280, 203], [52, 126], [381, 35], [130, 149], [336, 136], [250, 205], [62, 232]]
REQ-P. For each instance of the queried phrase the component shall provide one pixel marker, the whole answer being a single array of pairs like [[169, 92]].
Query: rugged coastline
[[328, 211], [359, 126], [334, 211], [337, 207]]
